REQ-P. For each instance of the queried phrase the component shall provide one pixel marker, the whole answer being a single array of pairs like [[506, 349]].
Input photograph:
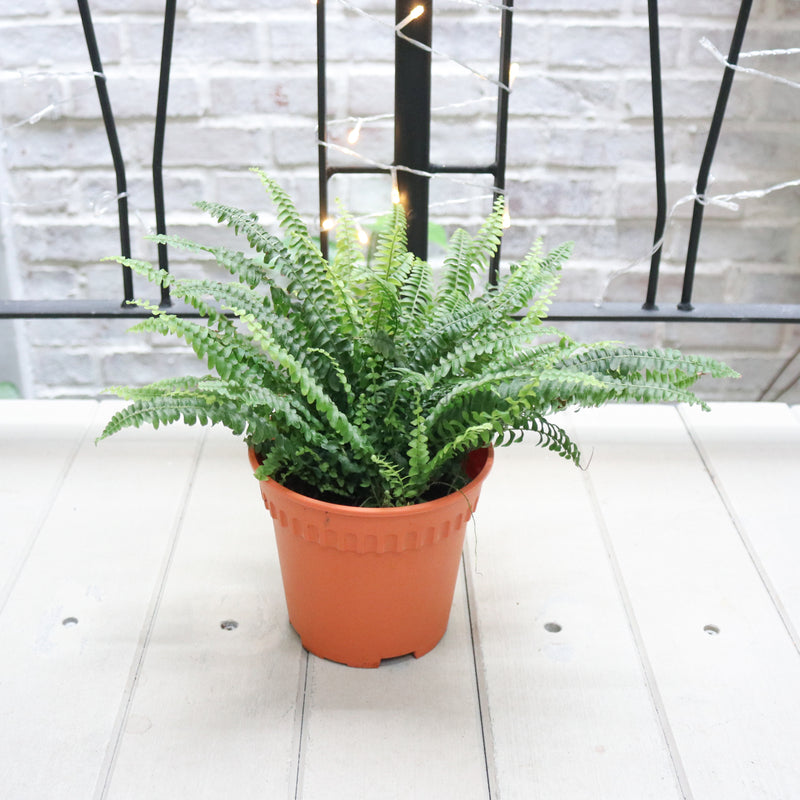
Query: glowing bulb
[[506, 219], [355, 133], [363, 236], [395, 188], [416, 12], [513, 71], [328, 224]]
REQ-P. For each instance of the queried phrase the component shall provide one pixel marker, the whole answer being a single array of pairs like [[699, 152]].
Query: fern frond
[[190, 410], [467, 258]]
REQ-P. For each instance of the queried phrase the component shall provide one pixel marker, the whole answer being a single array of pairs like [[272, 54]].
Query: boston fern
[[367, 382]]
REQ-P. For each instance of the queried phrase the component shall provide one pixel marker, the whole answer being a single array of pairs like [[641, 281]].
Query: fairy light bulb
[[395, 188], [328, 224], [355, 133], [513, 71], [415, 13], [363, 236], [506, 219]]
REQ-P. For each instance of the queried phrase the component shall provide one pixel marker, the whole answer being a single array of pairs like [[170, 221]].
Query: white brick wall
[[243, 93]]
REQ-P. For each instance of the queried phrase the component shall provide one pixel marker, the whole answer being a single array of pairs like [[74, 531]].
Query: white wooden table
[[630, 631]]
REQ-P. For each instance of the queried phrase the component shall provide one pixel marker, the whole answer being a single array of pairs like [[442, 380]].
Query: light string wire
[[753, 54], [727, 201], [358, 122], [427, 48], [43, 112]]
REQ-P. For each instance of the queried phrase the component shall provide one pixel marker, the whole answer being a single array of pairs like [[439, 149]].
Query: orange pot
[[364, 584]]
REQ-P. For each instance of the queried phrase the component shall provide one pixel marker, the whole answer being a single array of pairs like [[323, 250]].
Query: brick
[[26, 97], [66, 243], [570, 197], [52, 283], [136, 96], [53, 146], [141, 367], [599, 46], [579, 97], [65, 367], [214, 41], [58, 47], [712, 337], [189, 145], [256, 94]]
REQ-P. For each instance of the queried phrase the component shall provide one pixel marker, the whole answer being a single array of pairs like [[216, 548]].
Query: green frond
[[189, 410], [467, 258], [253, 272], [360, 379]]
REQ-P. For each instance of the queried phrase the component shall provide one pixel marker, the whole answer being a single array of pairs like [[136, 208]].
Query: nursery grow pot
[[364, 584]]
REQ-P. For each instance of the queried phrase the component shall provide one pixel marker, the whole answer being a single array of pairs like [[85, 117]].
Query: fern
[[357, 381]]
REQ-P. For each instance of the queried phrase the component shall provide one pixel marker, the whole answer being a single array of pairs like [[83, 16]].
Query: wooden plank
[[570, 711], [213, 714], [753, 452], [409, 729], [98, 560], [726, 669], [38, 441]]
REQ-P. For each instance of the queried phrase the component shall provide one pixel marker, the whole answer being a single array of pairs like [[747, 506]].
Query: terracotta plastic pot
[[364, 584]]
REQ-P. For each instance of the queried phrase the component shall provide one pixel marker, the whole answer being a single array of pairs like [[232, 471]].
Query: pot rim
[[401, 511]]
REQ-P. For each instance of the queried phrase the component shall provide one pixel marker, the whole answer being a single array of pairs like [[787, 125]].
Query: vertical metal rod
[[708, 154], [113, 141], [501, 134], [412, 119], [660, 161], [158, 143], [322, 129]]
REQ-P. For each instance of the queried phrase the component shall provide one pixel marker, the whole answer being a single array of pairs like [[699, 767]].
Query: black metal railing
[[413, 170]]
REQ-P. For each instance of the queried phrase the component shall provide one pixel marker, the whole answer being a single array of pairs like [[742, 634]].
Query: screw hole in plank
[[552, 627]]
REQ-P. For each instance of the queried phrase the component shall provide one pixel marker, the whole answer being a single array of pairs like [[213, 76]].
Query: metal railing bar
[[488, 169], [708, 154], [558, 312], [702, 312], [158, 142], [113, 141], [660, 161], [324, 172], [330, 171], [501, 129], [412, 117], [82, 309]]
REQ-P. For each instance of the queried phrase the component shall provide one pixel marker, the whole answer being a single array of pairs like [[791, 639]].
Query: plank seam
[[115, 743], [477, 664], [648, 673], [47, 507], [302, 693], [760, 568]]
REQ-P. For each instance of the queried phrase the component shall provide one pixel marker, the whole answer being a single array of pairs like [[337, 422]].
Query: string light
[[328, 224], [399, 32], [395, 187], [506, 219], [355, 133], [749, 70], [363, 236], [513, 71], [415, 13]]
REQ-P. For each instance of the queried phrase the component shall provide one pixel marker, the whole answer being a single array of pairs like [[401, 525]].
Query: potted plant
[[371, 396]]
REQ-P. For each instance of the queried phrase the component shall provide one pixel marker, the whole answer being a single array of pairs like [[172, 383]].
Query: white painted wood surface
[[631, 633]]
